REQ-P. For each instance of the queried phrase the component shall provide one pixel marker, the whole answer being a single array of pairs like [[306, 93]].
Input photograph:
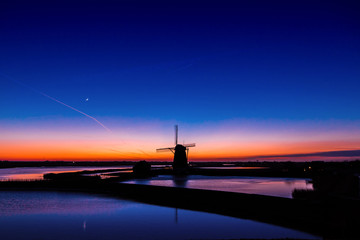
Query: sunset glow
[[234, 140]]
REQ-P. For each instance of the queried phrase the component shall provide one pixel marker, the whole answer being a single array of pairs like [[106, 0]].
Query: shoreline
[[329, 218], [331, 211]]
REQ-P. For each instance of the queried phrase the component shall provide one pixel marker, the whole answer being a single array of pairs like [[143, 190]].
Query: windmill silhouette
[[181, 152]]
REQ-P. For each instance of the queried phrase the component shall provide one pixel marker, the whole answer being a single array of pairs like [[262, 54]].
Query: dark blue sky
[[189, 61]]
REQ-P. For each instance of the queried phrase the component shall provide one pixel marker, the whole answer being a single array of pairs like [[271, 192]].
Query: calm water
[[232, 167], [280, 187], [51, 215], [33, 173]]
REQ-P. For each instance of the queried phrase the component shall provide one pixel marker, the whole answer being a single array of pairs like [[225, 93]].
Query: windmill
[[181, 152]]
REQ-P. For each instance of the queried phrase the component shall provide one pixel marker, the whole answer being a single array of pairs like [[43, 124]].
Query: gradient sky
[[243, 79]]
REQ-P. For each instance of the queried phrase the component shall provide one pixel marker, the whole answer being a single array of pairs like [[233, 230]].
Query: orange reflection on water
[[20, 176]]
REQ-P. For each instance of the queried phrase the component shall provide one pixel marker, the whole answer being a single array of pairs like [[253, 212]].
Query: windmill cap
[[179, 147]]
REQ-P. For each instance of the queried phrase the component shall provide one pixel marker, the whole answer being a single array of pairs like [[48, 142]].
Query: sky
[[244, 80]]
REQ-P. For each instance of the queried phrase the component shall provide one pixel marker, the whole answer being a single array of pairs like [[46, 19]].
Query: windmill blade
[[165, 149], [189, 145], [176, 135]]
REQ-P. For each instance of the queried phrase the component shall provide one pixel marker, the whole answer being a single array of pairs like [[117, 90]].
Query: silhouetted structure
[[181, 152], [142, 169]]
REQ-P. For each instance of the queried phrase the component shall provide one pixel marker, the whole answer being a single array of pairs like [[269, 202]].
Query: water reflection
[[180, 181], [231, 167], [78, 216], [280, 187], [36, 173], [28, 203]]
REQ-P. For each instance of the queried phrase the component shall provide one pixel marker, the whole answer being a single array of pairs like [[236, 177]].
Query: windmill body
[[181, 152], [180, 157]]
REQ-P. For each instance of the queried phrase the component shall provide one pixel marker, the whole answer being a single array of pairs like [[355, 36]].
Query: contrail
[[87, 115], [58, 101]]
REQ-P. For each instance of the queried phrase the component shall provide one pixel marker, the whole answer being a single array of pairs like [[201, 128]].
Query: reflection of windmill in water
[[181, 152]]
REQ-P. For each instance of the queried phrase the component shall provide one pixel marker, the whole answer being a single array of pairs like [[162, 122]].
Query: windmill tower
[[181, 152]]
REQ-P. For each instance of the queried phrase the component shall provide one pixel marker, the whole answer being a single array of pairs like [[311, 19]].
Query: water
[[52, 215], [279, 187], [232, 168], [36, 173]]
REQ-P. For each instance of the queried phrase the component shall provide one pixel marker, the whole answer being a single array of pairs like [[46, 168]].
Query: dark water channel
[[53, 215]]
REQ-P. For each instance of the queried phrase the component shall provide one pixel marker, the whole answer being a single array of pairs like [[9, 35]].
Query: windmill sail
[[176, 135], [165, 149], [189, 145]]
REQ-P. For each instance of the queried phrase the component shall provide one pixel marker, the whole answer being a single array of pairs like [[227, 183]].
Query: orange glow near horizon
[[132, 142], [94, 151]]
